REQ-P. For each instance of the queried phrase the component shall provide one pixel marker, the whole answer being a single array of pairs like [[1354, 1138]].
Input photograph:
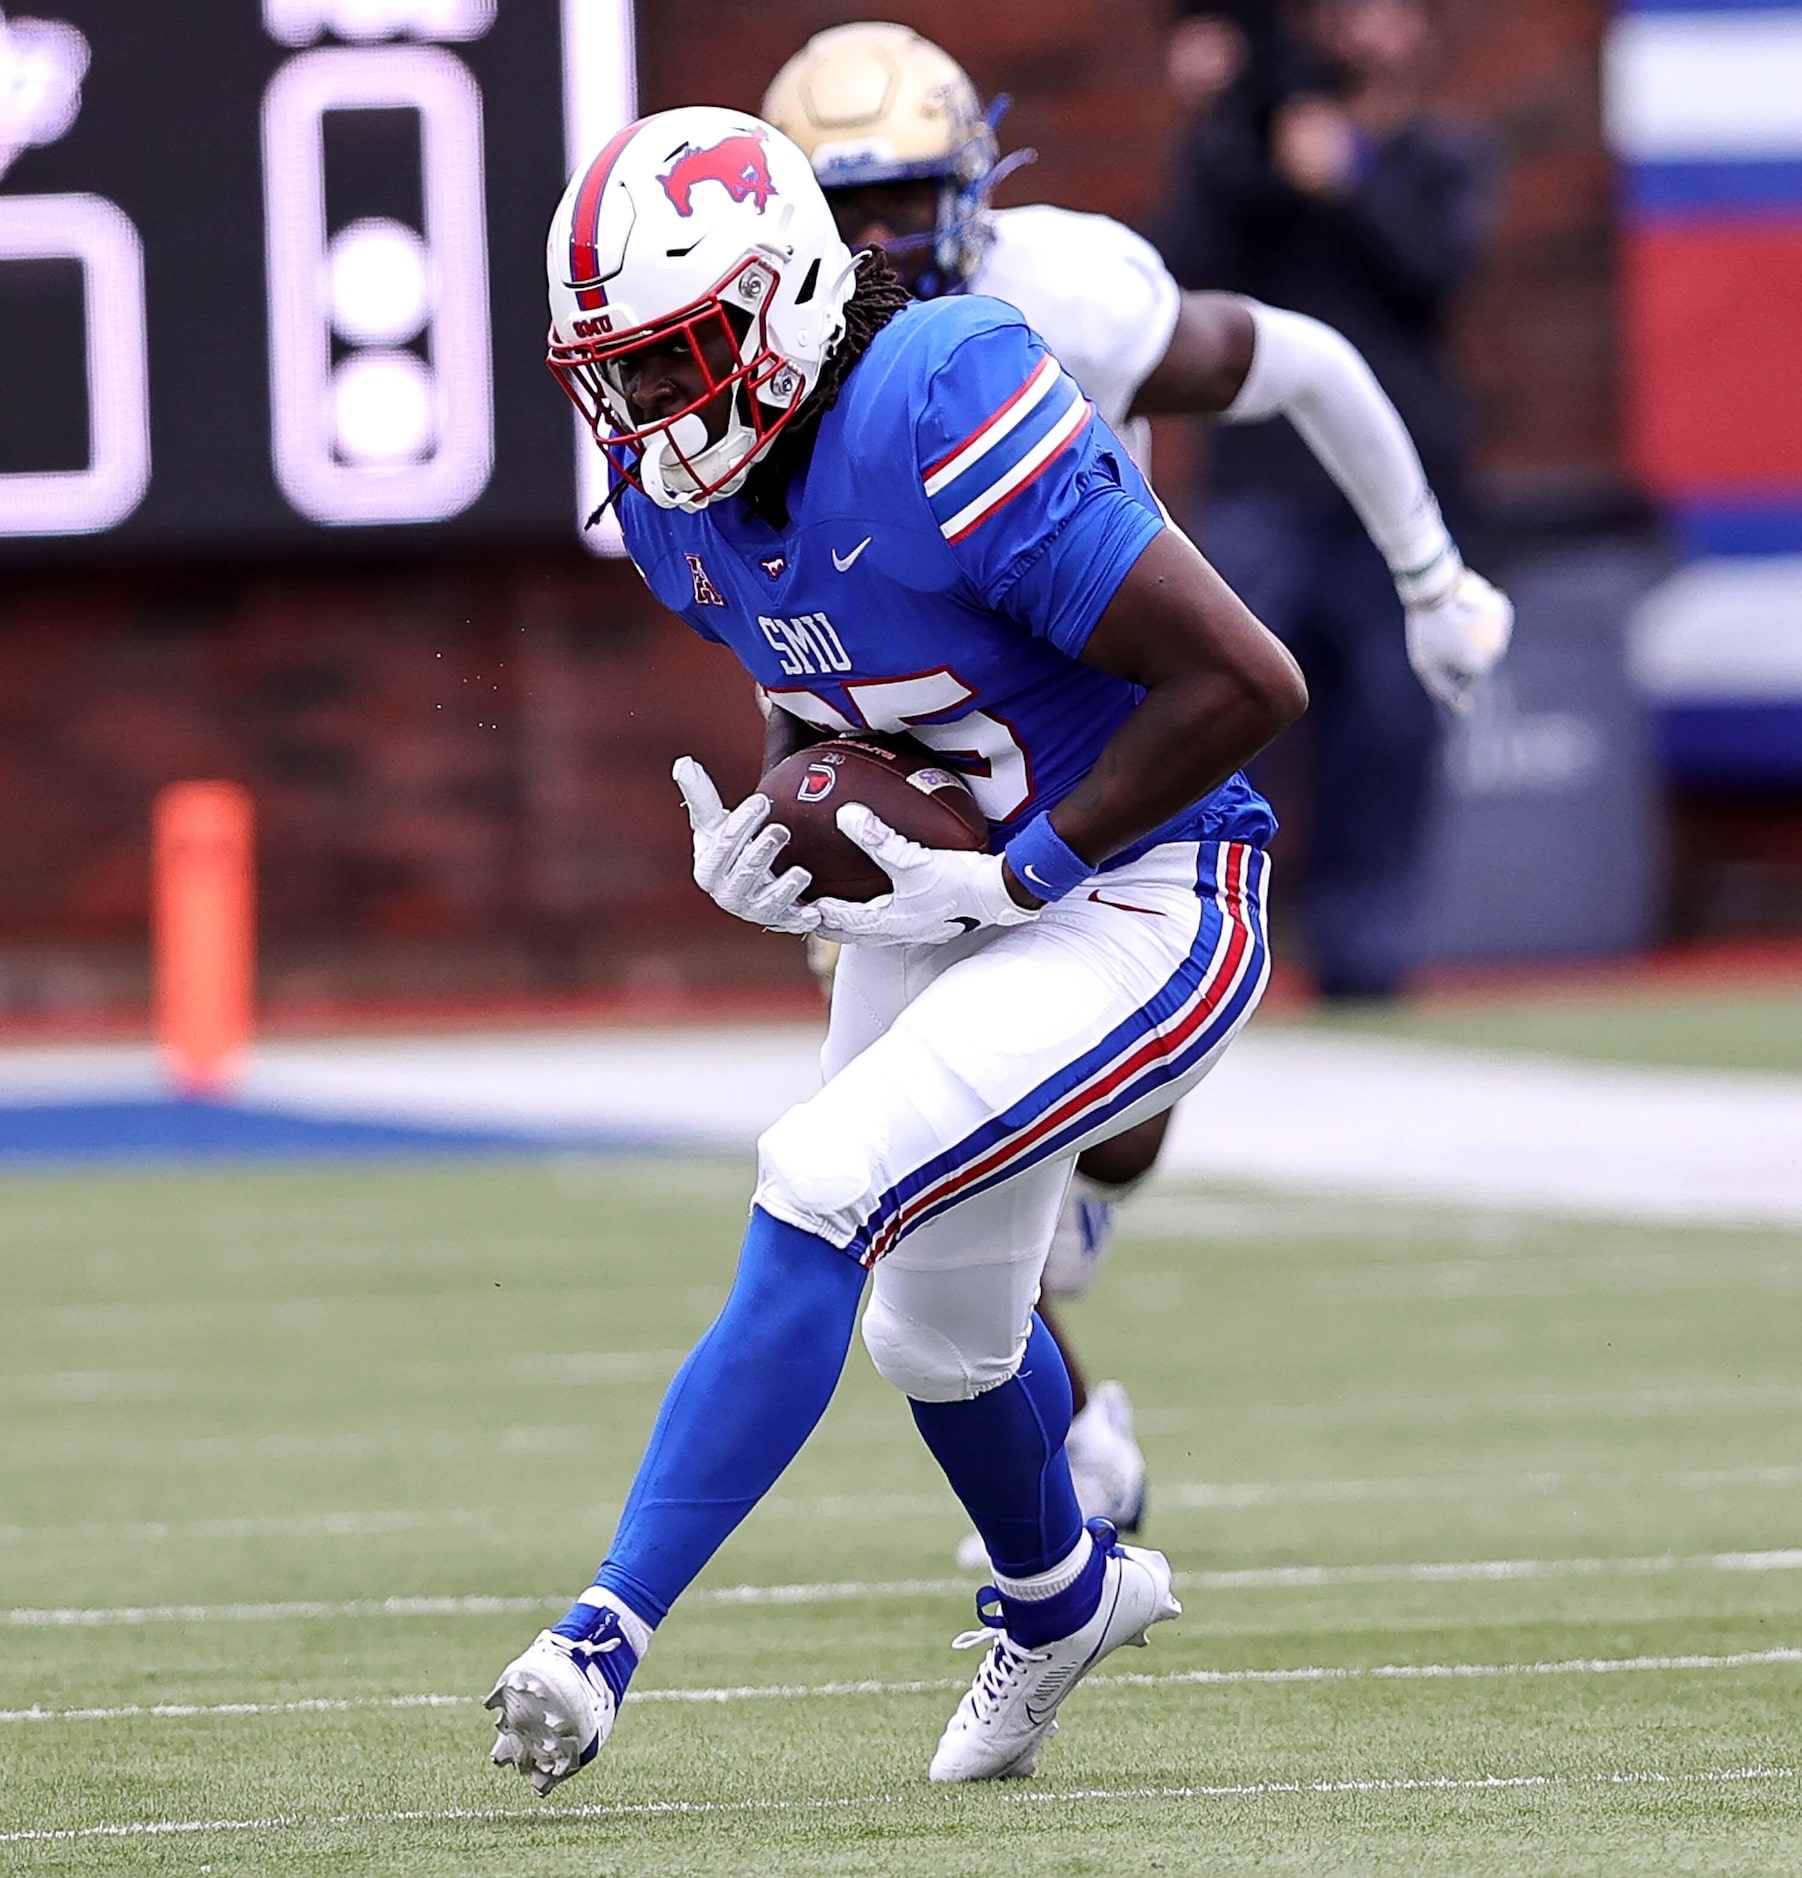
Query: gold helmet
[[876, 103]]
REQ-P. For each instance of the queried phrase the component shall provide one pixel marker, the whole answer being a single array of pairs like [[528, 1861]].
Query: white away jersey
[[1096, 293]]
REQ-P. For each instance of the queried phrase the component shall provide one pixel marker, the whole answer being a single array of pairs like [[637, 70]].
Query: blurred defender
[[908, 157]]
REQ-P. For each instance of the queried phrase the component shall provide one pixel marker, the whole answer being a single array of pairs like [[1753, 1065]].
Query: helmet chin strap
[[672, 485]]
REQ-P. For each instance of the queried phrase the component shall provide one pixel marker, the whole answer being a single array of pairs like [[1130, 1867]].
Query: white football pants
[[963, 1079]]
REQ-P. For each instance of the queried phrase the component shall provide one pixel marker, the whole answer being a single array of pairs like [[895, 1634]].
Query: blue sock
[[736, 1414], [1003, 1453], [610, 1650]]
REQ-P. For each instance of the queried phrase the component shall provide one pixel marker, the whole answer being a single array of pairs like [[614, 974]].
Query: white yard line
[[653, 1809], [1644, 1404], [62, 1450], [1262, 1577], [373, 1524], [1487, 1571], [295, 1610], [189, 1711], [1444, 1783], [788, 1692], [347, 1525], [1237, 1495]]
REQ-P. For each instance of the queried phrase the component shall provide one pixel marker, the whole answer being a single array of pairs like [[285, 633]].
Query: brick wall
[[461, 771], [461, 777], [1538, 332]]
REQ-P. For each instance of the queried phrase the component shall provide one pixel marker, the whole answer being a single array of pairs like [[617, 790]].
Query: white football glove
[[1456, 638], [734, 860], [939, 894]]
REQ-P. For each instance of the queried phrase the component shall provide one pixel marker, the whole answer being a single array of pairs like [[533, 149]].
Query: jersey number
[[983, 748]]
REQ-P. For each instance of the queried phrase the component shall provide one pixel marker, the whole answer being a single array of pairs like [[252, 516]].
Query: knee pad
[[923, 1362]]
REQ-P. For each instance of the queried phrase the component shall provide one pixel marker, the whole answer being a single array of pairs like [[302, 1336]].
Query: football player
[[907, 154], [907, 516]]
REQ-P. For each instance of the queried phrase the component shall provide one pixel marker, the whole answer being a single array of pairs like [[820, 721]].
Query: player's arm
[[784, 733], [1246, 362], [1205, 364], [1218, 686], [1049, 527]]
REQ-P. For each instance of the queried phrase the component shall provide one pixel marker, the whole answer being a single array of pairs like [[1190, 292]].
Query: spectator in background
[[1320, 181], [1206, 55]]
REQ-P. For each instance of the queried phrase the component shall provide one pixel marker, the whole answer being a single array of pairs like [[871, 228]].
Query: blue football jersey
[[961, 525]]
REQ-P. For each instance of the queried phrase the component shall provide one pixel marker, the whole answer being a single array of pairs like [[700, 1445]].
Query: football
[[900, 780]]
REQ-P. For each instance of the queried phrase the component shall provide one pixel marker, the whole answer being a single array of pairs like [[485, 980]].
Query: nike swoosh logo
[[1037, 879], [1126, 906], [1059, 1689], [1051, 1695], [965, 921], [845, 562]]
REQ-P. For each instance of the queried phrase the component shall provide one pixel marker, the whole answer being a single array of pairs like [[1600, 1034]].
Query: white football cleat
[[1010, 1710], [557, 1705], [1107, 1469], [1082, 1237], [1107, 1466], [972, 1554]]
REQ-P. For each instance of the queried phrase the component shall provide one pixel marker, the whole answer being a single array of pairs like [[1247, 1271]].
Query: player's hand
[[1455, 639], [735, 855], [938, 894]]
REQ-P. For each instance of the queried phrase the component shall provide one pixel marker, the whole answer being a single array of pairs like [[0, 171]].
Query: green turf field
[[1480, 1521]]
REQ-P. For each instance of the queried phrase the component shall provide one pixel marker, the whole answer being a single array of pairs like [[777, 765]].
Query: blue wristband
[[1043, 862]]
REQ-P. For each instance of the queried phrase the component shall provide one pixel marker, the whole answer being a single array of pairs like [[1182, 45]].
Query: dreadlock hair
[[875, 300]]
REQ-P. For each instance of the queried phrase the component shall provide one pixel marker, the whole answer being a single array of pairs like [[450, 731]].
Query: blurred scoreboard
[[271, 271]]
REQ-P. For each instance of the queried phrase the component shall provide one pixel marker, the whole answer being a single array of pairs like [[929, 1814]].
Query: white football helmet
[[686, 226], [873, 102]]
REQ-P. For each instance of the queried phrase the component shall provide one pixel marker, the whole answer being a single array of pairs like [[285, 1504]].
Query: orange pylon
[[203, 932]]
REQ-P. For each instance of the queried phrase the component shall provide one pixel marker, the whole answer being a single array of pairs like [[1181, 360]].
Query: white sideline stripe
[[1311, 1117], [1256, 1789], [1273, 1577], [785, 1692]]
